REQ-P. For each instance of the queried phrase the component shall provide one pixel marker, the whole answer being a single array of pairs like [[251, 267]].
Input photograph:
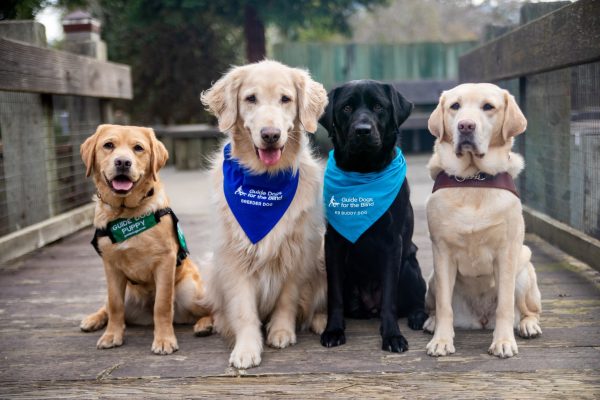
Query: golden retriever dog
[[483, 277], [280, 280], [145, 283]]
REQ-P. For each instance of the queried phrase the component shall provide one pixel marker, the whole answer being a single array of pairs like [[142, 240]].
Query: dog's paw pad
[[110, 340], [529, 328], [416, 320], [504, 348], [333, 338], [281, 338], [440, 347], [243, 358], [394, 344], [164, 346], [204, 326], [429, 325]]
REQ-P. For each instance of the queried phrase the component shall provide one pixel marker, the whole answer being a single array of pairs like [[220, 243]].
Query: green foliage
[[296, 16], [175, 51], [20, 9], [27, 9]]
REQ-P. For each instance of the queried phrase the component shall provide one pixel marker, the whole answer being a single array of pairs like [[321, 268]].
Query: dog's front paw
[[333, 338], [164, 345], [416, 319], [109, 340], [245, 356], [281, 338], [394, 344], [504, 348], [439, 346], [529, 328], [429, 325]]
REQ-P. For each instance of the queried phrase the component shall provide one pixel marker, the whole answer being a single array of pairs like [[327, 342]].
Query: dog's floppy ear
[[515, 122], [401, 107], [327, 120], [436, 119], [312, 99], [222, 98], [88, 150], [158, 153]]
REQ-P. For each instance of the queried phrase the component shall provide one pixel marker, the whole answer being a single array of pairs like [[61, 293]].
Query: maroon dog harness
[[502, 180]]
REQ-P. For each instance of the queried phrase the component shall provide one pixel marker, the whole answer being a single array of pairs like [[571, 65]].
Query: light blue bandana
[[354, 200]]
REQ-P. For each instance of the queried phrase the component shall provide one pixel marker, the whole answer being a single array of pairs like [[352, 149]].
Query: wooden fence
[[50, 101], [552, 65]]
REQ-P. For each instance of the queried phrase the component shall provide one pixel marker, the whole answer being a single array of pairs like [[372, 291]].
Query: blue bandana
[[355, 200], [257, 201]]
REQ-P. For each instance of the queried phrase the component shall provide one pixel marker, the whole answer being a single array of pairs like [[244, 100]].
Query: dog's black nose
[[466, 126], [363, 129], [122, 163], [270, 135]]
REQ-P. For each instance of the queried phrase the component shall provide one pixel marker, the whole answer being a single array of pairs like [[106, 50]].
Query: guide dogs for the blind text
[[483, 277]]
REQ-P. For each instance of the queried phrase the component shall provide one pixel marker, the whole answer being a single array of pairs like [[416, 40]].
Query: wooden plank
[[46, 294], [436, 385], [25, 119], [415, 121], [424, 92], [569, 36], [27, 68], [192, 131]]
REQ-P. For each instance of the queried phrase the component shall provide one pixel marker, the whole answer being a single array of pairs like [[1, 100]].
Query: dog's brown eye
[[251, 99], [109, 146], [377, 107], [348, 109], [285, 99], [455, 106], [488, 107], [138, 148]]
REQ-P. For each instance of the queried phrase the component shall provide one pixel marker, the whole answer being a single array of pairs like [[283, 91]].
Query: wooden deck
[[44, 296]]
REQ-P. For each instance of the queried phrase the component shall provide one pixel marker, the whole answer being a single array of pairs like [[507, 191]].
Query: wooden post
[[27, 132]]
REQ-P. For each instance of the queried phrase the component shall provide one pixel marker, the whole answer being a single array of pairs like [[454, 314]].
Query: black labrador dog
[[378, 274]]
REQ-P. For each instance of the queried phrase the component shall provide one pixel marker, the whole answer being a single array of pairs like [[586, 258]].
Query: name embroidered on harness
[[122, 229]]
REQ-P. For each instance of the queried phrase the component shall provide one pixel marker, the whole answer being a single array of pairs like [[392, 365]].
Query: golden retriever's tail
[[95, 321]]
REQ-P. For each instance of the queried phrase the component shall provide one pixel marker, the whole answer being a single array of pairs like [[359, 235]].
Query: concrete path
[[44, 296]]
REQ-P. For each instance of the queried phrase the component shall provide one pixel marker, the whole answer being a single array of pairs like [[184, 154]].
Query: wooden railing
[[50, 101], [552, 65]]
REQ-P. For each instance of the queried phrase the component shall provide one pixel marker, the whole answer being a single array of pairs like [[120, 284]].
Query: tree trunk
[[254, 32]]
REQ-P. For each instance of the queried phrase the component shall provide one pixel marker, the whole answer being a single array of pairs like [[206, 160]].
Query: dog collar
[[121, 229], [257, 201], [502, 180], [354, 201]]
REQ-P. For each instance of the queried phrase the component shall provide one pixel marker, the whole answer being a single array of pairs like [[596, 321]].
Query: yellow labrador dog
[[268, 260], [148, 274], [483, 277]]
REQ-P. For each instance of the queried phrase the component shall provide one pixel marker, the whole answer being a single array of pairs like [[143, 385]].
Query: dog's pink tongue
[[123, 184], [269, 156]]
